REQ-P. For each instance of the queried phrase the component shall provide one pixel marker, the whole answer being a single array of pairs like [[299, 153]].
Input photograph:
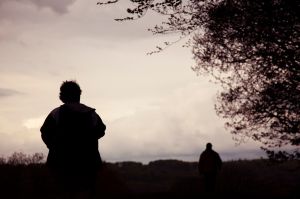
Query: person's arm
[[47, 130], [219, 162], [99, 127]]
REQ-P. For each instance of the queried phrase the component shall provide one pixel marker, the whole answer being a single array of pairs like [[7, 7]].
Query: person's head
[[209, 146], [70, 92]]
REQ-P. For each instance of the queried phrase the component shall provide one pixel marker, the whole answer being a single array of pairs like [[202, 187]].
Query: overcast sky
[[155, 107]]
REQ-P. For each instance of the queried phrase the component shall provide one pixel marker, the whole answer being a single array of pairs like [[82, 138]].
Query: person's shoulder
[[54, 114], [213, 151], [210, 152], [204, 153], [78, 108], [55, 111], [86, 108], [216, 153]]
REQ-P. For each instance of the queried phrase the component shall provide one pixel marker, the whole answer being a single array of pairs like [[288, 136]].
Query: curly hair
[[70, 92]]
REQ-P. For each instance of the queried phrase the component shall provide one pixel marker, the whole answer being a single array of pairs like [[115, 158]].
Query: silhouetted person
[[71, 133], [209, 164]]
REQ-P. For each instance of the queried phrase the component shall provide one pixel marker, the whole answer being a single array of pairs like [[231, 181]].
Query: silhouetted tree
[[20, 158], [252, 48]]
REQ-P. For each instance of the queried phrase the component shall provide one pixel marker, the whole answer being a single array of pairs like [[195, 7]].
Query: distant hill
[[161, 178]]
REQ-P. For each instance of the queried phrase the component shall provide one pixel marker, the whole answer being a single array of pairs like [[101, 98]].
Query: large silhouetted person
[[71, 132], [209, 164]]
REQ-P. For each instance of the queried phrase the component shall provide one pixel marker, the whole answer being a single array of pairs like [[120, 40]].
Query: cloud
[[34, 123], [21, 141], [179, 127], [61, 20], [58, 6], [8, 92]]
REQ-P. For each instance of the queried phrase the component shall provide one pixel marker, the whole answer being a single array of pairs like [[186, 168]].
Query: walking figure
[[71, 132], [209, 164]]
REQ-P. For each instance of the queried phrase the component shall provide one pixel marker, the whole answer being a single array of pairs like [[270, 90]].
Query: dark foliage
[[19, 158], [252, 48]]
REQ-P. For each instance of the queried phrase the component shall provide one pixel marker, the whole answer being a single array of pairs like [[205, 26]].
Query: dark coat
[[209, 162], [71, 133]]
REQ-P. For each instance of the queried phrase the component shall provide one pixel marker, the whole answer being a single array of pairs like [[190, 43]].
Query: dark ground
[[162, 179]]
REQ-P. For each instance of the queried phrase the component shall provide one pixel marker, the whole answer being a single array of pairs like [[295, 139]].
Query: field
[[162, 179]]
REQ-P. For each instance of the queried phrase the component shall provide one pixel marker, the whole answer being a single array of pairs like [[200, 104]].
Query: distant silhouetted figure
[[209, 164], [71, 133]]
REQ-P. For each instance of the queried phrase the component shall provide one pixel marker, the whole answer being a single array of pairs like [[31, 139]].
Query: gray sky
[[154, 106]]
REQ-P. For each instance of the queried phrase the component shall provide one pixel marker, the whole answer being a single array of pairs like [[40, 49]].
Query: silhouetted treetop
[[251, 47]]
